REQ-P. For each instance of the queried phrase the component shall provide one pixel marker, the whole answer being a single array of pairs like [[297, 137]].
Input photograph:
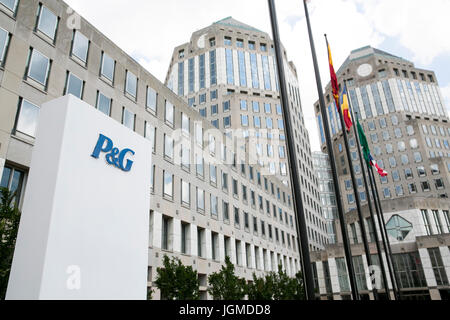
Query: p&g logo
[[113, 155]]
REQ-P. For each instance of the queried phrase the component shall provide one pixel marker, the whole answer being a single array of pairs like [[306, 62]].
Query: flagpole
[[345, 240], [386, 242], [302, 238], [355, 186], [369, 203]]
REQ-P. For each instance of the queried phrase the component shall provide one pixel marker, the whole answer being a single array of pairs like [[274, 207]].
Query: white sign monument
[[85, 221]]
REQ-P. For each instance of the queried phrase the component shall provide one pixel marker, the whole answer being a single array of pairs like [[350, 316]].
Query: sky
[[416, 30]]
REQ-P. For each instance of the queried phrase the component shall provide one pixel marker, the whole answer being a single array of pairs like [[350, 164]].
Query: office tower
[[322, 168], [201, 210], [227, 72], [404, 118]]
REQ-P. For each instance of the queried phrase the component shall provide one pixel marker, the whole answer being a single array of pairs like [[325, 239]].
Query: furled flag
[[345, 108], [334, 81], [366, 151]]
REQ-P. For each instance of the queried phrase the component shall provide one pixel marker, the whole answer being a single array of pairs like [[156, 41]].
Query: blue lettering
[[115, 157], [122, 155], [99, 146]]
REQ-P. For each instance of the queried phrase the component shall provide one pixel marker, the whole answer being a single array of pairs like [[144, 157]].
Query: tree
[[276, 286], [224, 285], [176, 281], [9, 226], [287, 288], [261, 288]]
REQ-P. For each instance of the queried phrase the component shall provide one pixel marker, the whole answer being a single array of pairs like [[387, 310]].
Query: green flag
[[363, 141]]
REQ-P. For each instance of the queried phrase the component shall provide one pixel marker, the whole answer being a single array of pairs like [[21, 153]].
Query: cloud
[[446, 95], [418, 25], [150, 30]]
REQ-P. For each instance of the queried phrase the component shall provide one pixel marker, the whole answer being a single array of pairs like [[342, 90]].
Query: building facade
[[227, 72], [403, 115], [322, 168], [204, 205]]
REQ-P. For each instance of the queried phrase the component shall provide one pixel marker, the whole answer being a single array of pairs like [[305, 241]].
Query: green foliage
[[9, 226], [149, 293], [261, 288], [176, 281], [276, 286], [224, 285]]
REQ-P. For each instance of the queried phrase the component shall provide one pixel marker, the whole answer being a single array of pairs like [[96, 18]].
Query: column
[[176, 235], [157, 229], [429, 274], [334, 278]]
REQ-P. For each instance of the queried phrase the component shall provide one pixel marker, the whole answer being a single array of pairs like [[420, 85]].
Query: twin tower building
[[220, 180]]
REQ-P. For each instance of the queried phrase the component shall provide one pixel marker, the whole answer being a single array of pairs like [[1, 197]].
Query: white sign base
[[85, 222]]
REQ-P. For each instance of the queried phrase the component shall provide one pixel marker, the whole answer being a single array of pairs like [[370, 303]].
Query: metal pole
[[369, 204], [294, 177], [387, 245], [348, 253], [355, 189]]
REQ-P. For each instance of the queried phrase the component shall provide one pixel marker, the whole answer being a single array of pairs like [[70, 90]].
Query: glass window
[[212, 67], [200, 199], [398, 227], [227, 122], [438, 267], [244, 120], [425, 186], [226, 106], [185, 123], [409, 130], [128, 119], [12, 180], [185, 193], [4, 40], [389, 148], [28, 118], [266, 73], [103, 104], [405, 159], [131, 84], [394, 120], [426, 222], [181, 77], [199, 165], [437, 221], [213, 205], [254, 68], [39, 67], [10, 4], [242, 69], [168, 184], [255, 106], [229, 65], [243, 105], [152, 98], [214, 109], [201, 71], [150, 134], [168, 146], [108, 66], [80, 46], [225, 210], [74, 85], [47, 22], [413, 143], [417, 157], [169, 113], [399, 190]]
